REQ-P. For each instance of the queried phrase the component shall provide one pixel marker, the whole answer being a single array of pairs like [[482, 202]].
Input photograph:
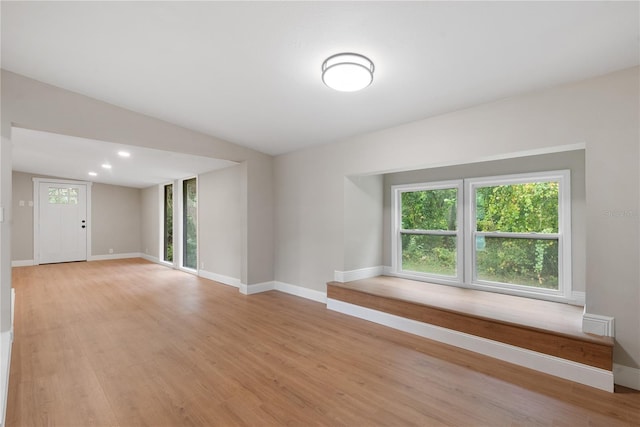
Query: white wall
[[220, 222], [363, 221], [22, 241], [5, 226], [602, 114], [309, 200], [116, 223], [150, 222]]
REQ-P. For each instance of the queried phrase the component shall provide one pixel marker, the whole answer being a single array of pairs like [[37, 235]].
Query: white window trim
[[396, 238], [563, 293], [467, 225], [162, 221], [181, 230]]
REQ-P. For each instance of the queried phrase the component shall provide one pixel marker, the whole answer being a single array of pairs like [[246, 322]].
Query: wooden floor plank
[[129, 342]]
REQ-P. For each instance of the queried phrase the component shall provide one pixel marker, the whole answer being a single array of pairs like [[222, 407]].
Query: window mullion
[[431, 232], [469, 225], [538, 236]]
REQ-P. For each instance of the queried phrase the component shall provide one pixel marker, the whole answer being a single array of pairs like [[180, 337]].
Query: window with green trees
[[429, 232], [190, 223], [515, 232], [168, 223]]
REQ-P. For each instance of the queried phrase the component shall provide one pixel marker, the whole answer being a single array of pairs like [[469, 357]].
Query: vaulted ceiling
[[249, 72]]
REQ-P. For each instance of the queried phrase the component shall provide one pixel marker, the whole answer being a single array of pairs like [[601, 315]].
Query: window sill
[[515, 291]]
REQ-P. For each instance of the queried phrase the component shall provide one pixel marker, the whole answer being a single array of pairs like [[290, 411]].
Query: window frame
[[466, 229], [396, 241], [165, 229], [184, 227], [563, 236]]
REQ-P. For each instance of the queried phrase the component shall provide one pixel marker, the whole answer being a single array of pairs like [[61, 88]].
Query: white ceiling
[[50, 154], [249, 72]]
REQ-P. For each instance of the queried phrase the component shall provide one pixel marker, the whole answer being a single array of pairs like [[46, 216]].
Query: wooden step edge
[[590, 338]]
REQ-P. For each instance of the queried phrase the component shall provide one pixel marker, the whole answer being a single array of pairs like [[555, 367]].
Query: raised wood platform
[[545, 327]]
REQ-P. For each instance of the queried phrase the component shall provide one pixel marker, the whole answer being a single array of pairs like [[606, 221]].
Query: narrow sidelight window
[[168, 223], [190, 223]]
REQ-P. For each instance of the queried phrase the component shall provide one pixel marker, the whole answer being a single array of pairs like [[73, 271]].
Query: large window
[[168, 223], [190, 223], [513, 234]]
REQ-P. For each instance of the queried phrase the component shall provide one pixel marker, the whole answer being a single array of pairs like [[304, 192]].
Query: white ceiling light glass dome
[[347, 72]]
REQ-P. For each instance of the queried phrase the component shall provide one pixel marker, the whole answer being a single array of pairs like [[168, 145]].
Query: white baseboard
[[5, 366], [299, 291], [598, 325], [6, 343], [114, 256], [150, 258], [22, 263], [286, 288], [13, 309], [225, 280], [626, 376], [157, 260], [362, 273], [257, 288], [584, 374]]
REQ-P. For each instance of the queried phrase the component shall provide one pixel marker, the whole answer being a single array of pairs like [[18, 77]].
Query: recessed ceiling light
[[124, 154], [347, 72], [93, 174], [106, 165]]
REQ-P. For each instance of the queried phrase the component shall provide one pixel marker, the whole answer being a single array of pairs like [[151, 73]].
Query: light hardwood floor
[[131, 343]]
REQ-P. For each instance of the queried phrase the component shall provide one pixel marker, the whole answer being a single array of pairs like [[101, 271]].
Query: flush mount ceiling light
[[124, 154], [106, 166], [347, 72], [93, 174]]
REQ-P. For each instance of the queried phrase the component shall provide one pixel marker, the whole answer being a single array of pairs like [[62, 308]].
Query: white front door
[[62, 222]]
